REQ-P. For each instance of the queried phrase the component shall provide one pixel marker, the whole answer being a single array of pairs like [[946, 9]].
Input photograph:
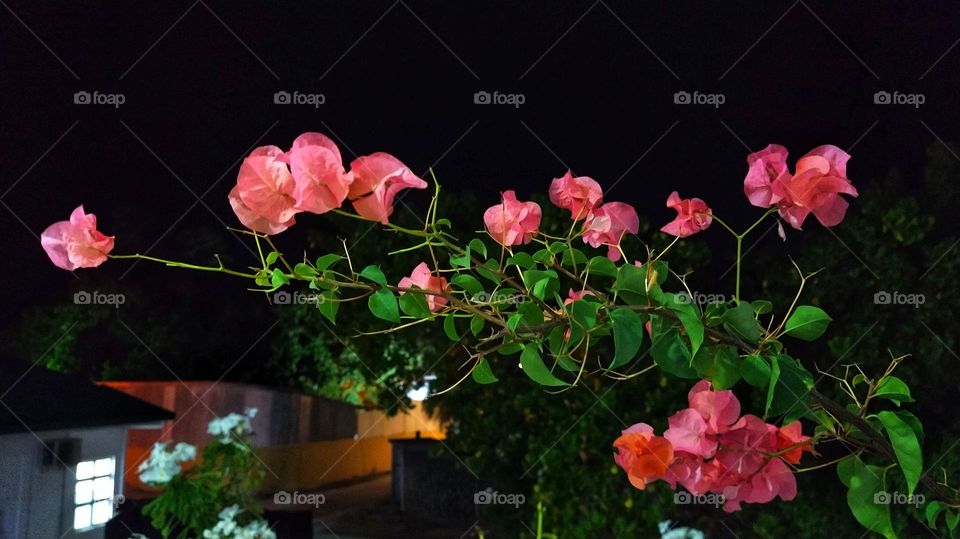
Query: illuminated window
[[93, 496]]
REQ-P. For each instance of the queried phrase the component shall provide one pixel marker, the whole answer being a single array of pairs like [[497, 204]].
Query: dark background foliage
[[599, 79]]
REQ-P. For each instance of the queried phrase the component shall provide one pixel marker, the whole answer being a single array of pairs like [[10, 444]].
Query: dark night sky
[[598, 80]]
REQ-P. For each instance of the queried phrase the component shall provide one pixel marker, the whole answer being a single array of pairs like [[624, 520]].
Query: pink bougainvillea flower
[[746, 446], [688, 433], [573, 295], [642, 455], [720, 409], [767, 166], [320, 182], [815, 187], [608, 225], [790, 438], [580, 194], [265, 185], [693, 215], [697, 475], [423, 278], [772, 480], [377, 178], [512, 222], [253, 221], [76, 243]]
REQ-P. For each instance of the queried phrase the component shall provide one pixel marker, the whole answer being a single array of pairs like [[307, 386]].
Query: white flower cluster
[[228, 528], [232, 428], [164, 464]]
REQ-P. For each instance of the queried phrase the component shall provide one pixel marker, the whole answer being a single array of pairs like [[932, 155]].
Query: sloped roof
[[33, 398]]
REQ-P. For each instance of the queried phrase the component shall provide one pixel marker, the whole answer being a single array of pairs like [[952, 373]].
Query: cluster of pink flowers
[[710, 448], [815, 187], [273, 186]]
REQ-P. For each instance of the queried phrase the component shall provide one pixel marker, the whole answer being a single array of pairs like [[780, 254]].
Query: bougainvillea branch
[[516, 290]]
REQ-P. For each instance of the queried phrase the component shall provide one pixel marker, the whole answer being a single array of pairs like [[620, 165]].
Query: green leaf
[[543, 284], [476, 324], [761, 306], [573, 257], [584, 313], [328, 305], [450, 328], [742, 322], [690, 319], [631, 284], [530, 314], [272, 258], [772, 386], [523, 260], [482, 373], [490, 270], [477, 246], [415, 305], [756, 371], [374, 274], [602, 266], [627, 336], [807, 323], [932, 511], [460, 261], [792, 391], [672, 355], [905, 445], [278, 278], [533, 367], [326, 261], [864, 484], [383, 305], [719, 364], [468, 283], [304, 271], [894, 389]]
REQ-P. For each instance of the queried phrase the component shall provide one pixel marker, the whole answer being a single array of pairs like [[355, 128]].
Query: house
[[62, 451]]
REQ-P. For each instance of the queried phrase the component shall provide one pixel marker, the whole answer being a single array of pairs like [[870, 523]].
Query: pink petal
[[253, 221]]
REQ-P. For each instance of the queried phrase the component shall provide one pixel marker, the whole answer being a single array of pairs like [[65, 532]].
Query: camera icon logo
[[81, 98], [482, 98], [484, 497], [281, 298], [881, 98], [281, 98], [82, 298], [682, 498], [882, 298], [682, 98], [881, 498], [282, 498]]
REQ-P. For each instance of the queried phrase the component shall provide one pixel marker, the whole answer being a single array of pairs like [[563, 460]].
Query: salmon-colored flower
[[688, 433], [580, 194], [377, 178], [265, 185], [642, 455], [424, 279], [512, 222], [791, 436], [815, 187], [693, 215], [321, 184], [609, 223], [76, 243], [252, 220]]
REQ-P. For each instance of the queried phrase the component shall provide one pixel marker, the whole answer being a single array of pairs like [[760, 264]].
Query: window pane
[[102, 511], [81, 517], [103, 467], [84, 492], [103, 488], [85, 470]]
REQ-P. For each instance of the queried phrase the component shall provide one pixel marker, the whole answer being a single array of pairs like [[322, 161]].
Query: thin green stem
[[175, 264]]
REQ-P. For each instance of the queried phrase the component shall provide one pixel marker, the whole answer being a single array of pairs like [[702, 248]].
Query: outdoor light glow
[[93, 492]]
